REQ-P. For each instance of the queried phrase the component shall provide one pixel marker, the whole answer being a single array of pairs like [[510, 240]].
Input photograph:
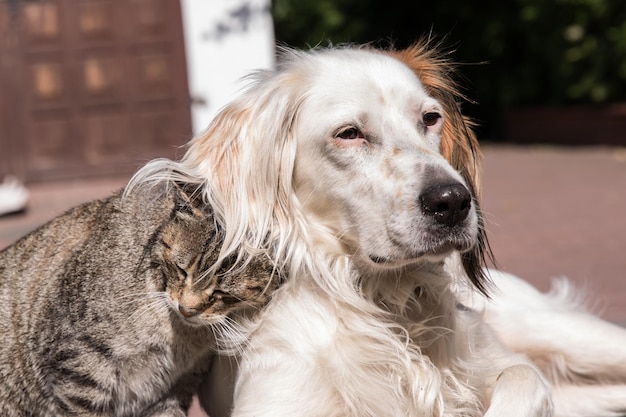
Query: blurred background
[[514, 56], [92, 89], [89, 87]]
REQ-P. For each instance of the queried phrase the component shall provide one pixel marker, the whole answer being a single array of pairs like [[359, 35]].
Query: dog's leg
[[573, 346], [520, 392], [513, 386], [590, 400], [582, 355], [554, 330]]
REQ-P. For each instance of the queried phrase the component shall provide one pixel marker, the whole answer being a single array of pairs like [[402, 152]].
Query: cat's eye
[[225, 297], [181, 271]]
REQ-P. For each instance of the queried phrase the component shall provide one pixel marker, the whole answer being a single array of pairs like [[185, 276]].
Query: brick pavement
[[48, 200], [550, 211], [553, 211]]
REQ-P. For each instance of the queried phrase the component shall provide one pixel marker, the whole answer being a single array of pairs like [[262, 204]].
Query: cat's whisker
[[229, 336], [149, 300], [247, 303], [208, 274], [135, 315], [137, 297], [155, 301]]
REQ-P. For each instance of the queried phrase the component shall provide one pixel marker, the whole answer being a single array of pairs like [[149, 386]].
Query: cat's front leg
[[520, 391], [170, 407], [178, 401]]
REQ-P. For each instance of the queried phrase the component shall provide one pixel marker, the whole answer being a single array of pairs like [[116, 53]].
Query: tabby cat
[[112, 310]]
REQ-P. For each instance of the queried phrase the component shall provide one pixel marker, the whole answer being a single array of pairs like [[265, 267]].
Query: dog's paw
[[520, 391]]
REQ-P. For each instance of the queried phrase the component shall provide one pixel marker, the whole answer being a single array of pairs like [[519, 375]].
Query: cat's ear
[[188, 202], [179, 199]]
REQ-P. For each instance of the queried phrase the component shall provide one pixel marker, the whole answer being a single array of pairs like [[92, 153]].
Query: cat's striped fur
[[111, 310]]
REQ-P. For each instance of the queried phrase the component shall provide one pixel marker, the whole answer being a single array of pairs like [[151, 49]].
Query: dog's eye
[[431, 118], [350, 133]]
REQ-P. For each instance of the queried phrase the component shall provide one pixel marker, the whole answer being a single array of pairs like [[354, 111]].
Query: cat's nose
[[187, 311]]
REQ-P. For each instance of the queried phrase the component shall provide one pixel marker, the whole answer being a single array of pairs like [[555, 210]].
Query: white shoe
[[13, 196]]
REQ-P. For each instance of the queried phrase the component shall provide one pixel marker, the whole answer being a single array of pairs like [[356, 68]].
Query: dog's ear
[[246, 158], [459, 144]]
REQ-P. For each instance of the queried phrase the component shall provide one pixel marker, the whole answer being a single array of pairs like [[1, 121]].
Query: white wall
[[224, 41]]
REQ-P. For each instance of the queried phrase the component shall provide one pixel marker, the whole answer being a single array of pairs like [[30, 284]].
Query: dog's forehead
[[362, 71]]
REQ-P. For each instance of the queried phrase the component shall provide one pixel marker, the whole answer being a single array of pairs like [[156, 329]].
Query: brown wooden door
[[90, 87]]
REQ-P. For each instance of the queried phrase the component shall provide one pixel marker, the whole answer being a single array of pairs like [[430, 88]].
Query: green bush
[[513, 53]]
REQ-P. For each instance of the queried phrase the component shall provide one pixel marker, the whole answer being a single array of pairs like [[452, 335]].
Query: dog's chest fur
[[400, 341]]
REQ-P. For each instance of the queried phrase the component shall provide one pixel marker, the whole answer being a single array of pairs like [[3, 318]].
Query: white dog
[[356, 172]]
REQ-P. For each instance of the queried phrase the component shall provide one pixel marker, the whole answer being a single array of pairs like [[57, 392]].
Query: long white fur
[[581, 355], [369, 322]]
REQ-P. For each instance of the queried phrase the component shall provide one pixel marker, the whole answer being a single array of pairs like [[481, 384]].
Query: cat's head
[[186, 249]]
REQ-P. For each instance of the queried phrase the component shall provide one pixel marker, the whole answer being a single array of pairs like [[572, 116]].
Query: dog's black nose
[[448, 204]]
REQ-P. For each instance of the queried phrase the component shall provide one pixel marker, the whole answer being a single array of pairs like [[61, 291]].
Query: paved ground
[[549, 212], [554, 212]]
